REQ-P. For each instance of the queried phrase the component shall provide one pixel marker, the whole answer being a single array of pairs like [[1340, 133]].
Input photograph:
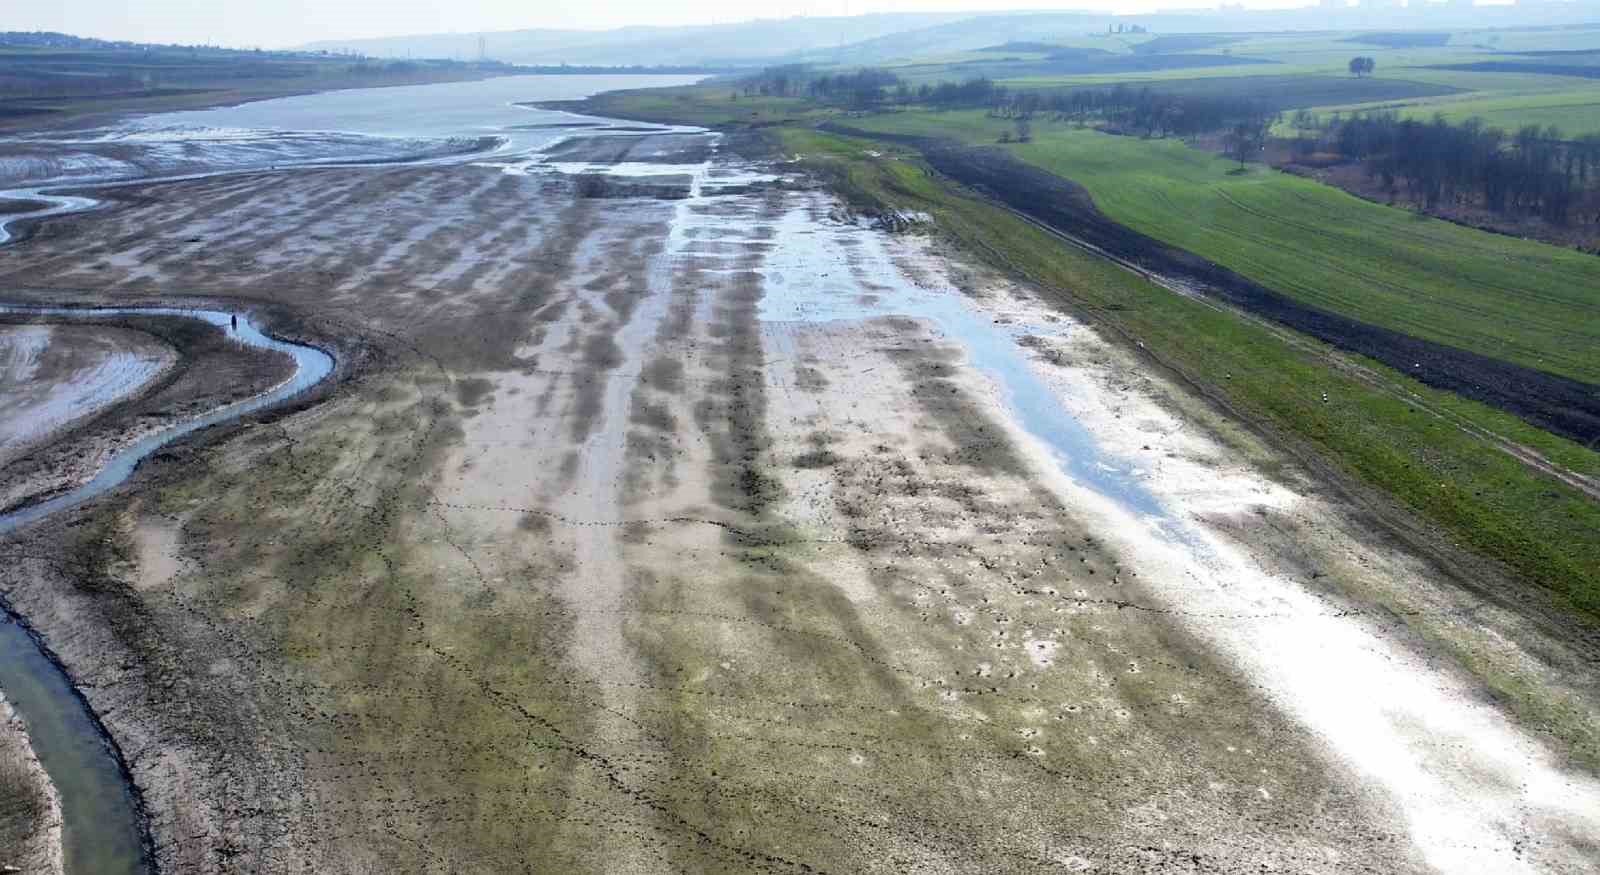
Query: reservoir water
[[101, 828]]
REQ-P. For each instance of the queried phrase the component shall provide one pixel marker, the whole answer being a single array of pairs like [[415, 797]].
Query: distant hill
[[879, 38], [746, 43], [963, 35]]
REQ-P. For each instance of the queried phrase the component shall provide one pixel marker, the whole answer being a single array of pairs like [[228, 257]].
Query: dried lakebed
[[718, 533], [101, 826]]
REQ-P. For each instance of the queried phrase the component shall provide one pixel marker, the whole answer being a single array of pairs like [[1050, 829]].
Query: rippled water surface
[[456, 109]]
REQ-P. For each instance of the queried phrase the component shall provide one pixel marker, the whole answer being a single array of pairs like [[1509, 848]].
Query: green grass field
[[1479, 497], [1377, 263], [1408, 79], [1575, 111], [1526, 302]]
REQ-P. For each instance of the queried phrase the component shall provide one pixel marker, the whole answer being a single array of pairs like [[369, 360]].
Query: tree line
[[867, 88], [1142, 111], [1533, 171]]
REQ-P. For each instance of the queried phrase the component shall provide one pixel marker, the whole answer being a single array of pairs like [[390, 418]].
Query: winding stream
[[101, 827], [102, 832], [311, 366]]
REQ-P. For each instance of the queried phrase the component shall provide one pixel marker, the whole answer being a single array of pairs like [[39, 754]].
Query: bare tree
[[1248, 137]]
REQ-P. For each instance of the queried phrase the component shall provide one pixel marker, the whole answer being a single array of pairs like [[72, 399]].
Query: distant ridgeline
[[51, 40], [57, 69]]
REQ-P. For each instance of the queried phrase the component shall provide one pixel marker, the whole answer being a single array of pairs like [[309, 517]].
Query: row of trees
[[1141, 111], [1144, 111], [868, 88], [1533, 171]]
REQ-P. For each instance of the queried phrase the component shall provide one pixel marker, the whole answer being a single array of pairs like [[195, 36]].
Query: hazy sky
[[274, 23]]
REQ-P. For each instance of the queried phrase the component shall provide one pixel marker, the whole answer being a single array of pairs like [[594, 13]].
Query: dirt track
[[598, 561]]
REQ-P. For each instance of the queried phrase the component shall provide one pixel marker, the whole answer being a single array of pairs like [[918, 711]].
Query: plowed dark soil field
[[1566, 407]]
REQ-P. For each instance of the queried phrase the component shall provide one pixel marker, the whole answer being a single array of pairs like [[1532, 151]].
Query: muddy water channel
[[989, 346], [102, 830], [311, 366], [706, 301]]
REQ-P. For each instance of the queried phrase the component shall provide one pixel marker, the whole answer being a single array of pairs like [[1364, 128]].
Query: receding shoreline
[[660, 533]]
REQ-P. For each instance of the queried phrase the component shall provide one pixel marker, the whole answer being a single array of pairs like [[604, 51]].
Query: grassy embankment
[[1472, 494], [1309, 70], [1475, 494], [1539, 527], [1524, 302]]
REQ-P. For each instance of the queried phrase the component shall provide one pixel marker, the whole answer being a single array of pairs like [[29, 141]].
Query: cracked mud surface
[[30, 810], [594, 564]]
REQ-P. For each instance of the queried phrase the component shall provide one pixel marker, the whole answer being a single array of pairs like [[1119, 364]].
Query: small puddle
[[812, 276]]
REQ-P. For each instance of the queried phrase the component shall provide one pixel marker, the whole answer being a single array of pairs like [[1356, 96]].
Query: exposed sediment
[[30, 808], [1564, 406], [661, 534]]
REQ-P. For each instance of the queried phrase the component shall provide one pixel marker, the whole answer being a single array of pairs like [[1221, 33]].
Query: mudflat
[[717, 531]]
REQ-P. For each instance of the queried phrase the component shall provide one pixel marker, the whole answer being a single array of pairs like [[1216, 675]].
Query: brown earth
[[9, 206], [30, 811], [208, 372], [584, 565]]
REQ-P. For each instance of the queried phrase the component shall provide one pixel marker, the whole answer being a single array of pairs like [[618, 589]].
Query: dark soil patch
[[1562, 406], [12, 206], [816, 459], [976, 441], [471, 391], [601, 185], [809, 379], [664, 374], [1580, 70], [1401, 40], [653, 416], [1183, 42], [648, 148]]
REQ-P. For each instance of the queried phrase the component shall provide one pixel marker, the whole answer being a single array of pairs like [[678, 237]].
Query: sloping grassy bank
[[1448, 492], [1516, 300], [1378, 449], [1543, 530]]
